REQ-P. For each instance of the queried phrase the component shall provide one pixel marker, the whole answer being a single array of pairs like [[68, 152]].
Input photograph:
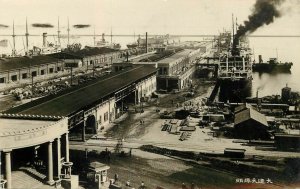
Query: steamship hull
[[234, 90]]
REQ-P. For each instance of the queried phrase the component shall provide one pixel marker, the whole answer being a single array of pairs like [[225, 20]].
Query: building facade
[[22, 68]]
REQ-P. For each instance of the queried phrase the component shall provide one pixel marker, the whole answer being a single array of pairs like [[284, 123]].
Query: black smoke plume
[[81, 26], [264, 12], [3, 26], [39, 25]]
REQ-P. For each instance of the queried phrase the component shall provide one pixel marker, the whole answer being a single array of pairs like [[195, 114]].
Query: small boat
[[272, 66]]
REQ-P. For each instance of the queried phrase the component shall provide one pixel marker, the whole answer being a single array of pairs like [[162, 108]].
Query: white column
[[67, 148], [50, 164], [8, 168], [58, 144]]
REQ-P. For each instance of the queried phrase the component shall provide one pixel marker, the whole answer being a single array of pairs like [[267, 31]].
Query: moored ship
[[235, 72], [272, 66]]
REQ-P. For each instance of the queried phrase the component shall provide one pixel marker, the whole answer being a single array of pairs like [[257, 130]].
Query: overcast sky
[[154, 16]]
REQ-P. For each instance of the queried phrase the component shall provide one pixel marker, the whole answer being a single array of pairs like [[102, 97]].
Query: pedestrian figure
[[130, 152], [116, 177]]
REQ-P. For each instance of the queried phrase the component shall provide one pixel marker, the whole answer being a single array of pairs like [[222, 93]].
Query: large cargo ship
[[235, 72], [272, 66]]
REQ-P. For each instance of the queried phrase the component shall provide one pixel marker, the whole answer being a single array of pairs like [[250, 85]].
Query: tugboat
[[272, 66]]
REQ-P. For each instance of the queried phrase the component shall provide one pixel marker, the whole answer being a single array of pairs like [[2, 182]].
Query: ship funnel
[[260, 60], [44, 39]]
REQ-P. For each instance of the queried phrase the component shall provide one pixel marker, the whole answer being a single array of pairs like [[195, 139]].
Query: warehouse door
[[91, 125]]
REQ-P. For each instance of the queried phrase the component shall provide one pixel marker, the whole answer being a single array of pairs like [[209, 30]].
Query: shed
[[250, 124]]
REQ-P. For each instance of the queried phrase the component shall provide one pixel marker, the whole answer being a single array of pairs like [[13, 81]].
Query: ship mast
[[58, 32], [111, 35], [68, 32], [232, 29], [26, 35], [236, 25], [14, 40], [94, 37]]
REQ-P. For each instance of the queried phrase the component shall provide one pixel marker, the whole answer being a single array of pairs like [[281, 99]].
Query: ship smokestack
[[260, 60], [264, 12], [146, 42], [44, 39]]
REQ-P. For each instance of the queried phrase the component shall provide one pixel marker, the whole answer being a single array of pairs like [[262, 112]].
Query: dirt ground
[[157, 170]]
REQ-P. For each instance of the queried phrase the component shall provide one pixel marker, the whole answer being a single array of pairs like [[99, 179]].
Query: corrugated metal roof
[[84, 96], [21, 62]]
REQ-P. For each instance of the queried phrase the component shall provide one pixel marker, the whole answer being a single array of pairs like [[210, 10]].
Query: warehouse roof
[[176, 56], [84, 96], [25, 61], [90, 51], [250, 113], [65, 55]]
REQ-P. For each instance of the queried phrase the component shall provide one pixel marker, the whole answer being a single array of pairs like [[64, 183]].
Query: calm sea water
[[288, 50]]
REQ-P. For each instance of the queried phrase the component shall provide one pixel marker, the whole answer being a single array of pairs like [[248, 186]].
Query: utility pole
[[93, 68], [31, 82]]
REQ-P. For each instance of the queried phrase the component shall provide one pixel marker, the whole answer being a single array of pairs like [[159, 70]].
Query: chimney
[[146, 42], [44, 39], [260, 60]]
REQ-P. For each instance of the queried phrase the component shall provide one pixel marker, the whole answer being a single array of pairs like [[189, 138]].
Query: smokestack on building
[[44, 39], [264, 12], [146, 42], [14, 41], [260, 60], [26, 35]]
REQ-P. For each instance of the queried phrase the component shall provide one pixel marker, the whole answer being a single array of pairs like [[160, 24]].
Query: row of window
[[104, 59], [33, 73]]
